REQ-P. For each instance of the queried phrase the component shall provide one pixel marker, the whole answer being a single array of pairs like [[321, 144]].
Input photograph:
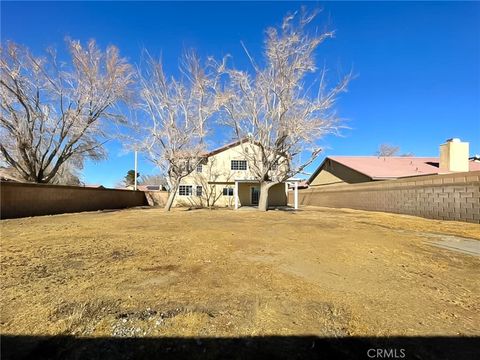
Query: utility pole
[[135, 175]]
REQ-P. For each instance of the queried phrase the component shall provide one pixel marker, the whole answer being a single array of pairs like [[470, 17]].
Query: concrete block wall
[[445, 197], [24, 199], [156, 198]]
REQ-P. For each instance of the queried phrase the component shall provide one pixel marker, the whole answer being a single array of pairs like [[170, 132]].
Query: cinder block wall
[[444, 197], [21, 199], [156, 198]]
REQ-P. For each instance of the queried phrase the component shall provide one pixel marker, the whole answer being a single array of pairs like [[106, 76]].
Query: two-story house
[[224, 179]]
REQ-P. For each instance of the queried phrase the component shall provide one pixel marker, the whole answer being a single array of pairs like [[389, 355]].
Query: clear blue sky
[[418, 64]]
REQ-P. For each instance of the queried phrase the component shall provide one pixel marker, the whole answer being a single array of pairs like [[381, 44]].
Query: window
[[199, 190], [185, 190], [238, 165], [199, 168], [153, 187], [227, 192]]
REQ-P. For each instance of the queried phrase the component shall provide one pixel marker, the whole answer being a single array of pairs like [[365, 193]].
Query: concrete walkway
[[456, 243]]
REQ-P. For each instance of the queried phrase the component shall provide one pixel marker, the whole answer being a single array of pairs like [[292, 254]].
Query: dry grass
[[143, 272]]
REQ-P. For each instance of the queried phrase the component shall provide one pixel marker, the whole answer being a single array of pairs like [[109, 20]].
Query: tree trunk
[[263, 200], [171, 197]]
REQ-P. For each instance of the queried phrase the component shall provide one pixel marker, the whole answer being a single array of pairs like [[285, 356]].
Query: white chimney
[[454, 156]]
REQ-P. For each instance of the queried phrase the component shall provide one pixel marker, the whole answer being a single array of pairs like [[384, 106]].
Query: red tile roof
[[391, 167]]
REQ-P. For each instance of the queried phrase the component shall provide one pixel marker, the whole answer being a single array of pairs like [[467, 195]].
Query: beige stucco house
[[454, 157], [224, 179]]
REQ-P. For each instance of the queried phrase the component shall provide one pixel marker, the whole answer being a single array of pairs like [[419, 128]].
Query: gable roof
[[390, 167], [225, 147], [10, 174]]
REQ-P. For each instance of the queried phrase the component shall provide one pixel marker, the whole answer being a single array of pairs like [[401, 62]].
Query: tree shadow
[[276, 347]]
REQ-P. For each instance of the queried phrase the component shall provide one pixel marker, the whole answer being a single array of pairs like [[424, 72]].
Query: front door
[[255, 195]]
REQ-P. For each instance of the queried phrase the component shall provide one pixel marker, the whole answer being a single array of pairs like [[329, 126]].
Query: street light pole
[[135, 175]]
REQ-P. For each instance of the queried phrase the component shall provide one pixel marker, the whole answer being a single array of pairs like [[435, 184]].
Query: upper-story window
[[199, 168], [238, 165], [185, 190]]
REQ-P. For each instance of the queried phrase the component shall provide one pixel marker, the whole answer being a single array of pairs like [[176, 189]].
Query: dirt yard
[[226, 274]]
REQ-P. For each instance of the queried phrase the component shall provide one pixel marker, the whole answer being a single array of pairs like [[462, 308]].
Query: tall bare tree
[[156, 179], [52, 112], [178, 111], [276, 108], [386, 150]]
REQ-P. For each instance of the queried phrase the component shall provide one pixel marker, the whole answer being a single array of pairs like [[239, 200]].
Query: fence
[[23, 199], [444, 197], [156, 198]]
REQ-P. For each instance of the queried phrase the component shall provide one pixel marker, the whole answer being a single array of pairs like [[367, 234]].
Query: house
[[454, 157], [94, 186], [9, 174], [145, 187], [224, 179]]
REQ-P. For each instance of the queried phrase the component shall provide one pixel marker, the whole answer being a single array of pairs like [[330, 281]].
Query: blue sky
[[417, 62]]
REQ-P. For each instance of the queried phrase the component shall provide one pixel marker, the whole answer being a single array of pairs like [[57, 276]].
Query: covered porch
[[247, 193]]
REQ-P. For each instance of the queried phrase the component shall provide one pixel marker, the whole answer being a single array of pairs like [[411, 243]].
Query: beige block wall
[[22, 199], [444, 197], [156, 198]]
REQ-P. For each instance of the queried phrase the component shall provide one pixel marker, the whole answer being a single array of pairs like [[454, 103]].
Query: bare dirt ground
[[223, 274]]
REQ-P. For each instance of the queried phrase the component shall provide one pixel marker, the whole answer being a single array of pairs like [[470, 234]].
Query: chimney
[[454, 156]]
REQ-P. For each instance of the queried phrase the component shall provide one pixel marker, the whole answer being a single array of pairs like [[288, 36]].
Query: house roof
[[94, 186], [390, 167], [231, 145], [225, 147], [9, 174]]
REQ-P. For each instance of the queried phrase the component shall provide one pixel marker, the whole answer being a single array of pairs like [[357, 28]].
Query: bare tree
[[209, 178], [179, 110], [53, 112], [386, 150], [156, 179], [275, 109], [68, 173]]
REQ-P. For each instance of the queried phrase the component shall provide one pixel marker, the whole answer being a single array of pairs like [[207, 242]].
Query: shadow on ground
[[277, 347]]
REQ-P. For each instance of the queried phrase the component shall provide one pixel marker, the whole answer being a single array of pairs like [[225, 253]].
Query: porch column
[[235, 194], [296, 195]]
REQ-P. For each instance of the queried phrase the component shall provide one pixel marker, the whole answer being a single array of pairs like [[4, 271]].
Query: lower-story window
[[199, 190], [227, 192], [185, 190]]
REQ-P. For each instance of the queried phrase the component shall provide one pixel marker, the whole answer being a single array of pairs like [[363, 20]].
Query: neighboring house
[[223, 174], [9, 174], [150, 187], [94, 186], [454, 157]]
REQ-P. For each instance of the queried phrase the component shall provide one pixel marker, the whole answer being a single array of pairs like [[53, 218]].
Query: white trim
[[296, 196], [235, 194], [135, 175]]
